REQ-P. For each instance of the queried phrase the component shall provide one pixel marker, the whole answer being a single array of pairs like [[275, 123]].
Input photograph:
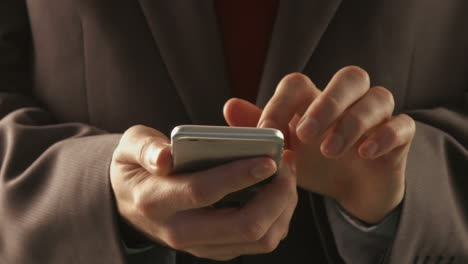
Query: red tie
[[246, 27]]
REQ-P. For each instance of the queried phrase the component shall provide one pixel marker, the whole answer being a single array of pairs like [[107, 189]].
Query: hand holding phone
[[173, 209], [196, 148]]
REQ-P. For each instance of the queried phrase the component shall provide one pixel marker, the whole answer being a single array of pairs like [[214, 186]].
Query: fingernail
[[370, 149], [263, 170], [154, 155], [334, 145], [267, 124], [155, 152], [308, 127]]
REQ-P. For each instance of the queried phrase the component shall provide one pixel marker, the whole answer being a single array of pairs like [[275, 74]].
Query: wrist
[[371, 211]]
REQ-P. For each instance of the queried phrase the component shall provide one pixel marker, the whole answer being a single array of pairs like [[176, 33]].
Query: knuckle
[[409, 120], [118, 154], [295, 80], [295, 84], [273, 115], [133, 130], [356, 73], [173, 240], [143, 205], [253, 231], [332, 104], [385, 95], [391, 133], [353, 120], [196, 196], [268, 244], [410, 123]]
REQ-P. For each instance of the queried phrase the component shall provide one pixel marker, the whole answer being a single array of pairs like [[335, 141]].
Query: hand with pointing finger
[[347, 144], [174, 209]]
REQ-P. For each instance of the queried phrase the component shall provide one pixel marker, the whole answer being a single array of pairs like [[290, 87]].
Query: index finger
[[346, 87], [293, 95]]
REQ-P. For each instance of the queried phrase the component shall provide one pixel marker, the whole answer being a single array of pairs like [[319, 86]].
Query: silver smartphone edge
[[183, 131]]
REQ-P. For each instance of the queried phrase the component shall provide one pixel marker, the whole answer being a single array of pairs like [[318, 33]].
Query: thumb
[[146, 147], [238, 112]]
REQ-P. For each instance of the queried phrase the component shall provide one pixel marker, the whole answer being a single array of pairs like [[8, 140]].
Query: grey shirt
[[357, 242]]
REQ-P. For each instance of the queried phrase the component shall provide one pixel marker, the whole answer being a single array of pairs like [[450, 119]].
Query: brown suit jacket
[[75, 74]]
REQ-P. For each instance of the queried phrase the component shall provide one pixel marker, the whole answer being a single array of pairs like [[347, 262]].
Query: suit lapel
[[298, 29], [187, 35]]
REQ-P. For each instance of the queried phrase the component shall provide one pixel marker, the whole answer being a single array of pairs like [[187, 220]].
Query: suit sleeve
[[56, 203], [433, 225]]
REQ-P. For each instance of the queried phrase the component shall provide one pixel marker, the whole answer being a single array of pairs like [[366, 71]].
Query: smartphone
[[196, 148]]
